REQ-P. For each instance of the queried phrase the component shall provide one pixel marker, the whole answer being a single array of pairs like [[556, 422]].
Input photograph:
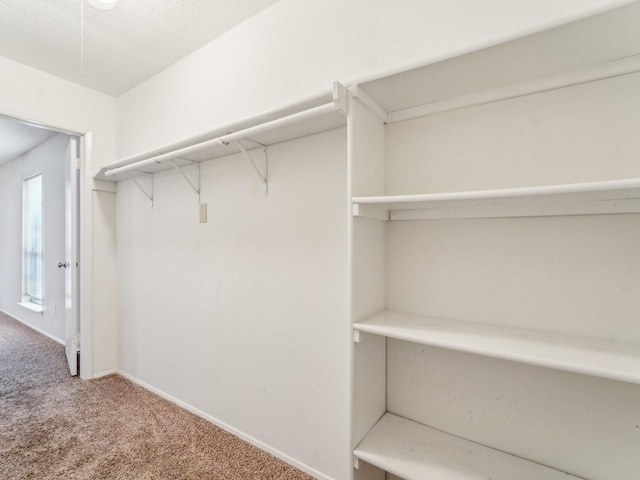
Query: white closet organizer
[[496, 271]]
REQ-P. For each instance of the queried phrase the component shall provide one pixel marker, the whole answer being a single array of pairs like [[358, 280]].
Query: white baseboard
[[228, 428], [105, 373], [42, 332]]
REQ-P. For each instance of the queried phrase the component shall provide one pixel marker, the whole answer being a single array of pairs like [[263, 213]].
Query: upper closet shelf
[[607, 197], [589, 356], [314, 116], [416, 452], [512, 69]]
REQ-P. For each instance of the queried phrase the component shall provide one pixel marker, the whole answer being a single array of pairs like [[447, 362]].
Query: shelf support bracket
[[144, 192], [263, 176], [341, 98], [356, 336], [194, 186], [374, 212], [356, 463], [369, 103]]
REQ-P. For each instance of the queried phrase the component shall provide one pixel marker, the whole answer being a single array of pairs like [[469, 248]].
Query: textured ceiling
[[17, 138], [122, 47]]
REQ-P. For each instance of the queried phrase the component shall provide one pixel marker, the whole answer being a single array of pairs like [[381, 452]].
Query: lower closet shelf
[[600, 358], [416, 452]]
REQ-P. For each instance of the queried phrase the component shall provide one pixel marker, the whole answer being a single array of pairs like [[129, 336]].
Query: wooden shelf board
[[606, 197], [600, 358], [417, 452]]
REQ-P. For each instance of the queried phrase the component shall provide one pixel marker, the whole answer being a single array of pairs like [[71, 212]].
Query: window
[[32, 236]]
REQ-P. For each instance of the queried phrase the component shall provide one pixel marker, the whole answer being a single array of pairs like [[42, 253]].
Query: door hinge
[[76, 164], [75, 339]]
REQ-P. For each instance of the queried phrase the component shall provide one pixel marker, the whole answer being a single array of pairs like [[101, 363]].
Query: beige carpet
[[53, 426]]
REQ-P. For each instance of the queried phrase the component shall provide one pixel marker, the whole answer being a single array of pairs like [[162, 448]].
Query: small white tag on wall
[[203, 213]]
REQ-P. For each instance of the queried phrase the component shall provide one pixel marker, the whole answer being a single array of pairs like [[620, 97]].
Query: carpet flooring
[[54, 426]]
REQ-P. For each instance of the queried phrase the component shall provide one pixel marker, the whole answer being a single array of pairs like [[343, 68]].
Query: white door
[[70, 263]]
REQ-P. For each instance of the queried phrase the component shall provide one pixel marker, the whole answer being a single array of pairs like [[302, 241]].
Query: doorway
[[39, 239]]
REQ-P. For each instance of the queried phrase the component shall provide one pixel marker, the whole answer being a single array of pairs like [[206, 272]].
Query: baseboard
[[106, 373], [42, 332], [228, 428]]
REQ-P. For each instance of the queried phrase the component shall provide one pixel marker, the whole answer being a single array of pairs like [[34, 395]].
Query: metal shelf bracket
[[263, 176], [144, 192], [195, 186]]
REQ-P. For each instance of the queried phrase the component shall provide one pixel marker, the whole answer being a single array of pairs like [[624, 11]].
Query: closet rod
[[224, 139]]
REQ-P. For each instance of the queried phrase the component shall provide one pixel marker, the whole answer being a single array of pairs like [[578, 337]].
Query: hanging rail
[[339, 103]]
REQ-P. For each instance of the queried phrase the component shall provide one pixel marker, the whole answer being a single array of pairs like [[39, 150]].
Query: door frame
[[85, 252]]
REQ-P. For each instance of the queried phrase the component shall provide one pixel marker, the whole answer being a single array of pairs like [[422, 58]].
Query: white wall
[[29, 94], [297, 48], [196, 300], [171, 330], [47, 159], [37, 96], [246, 317], [105, 306]]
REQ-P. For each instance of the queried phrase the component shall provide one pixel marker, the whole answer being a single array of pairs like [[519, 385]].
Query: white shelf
[[283, 125], [599, 358], [606, 197], [518, 67], [416, 452]]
